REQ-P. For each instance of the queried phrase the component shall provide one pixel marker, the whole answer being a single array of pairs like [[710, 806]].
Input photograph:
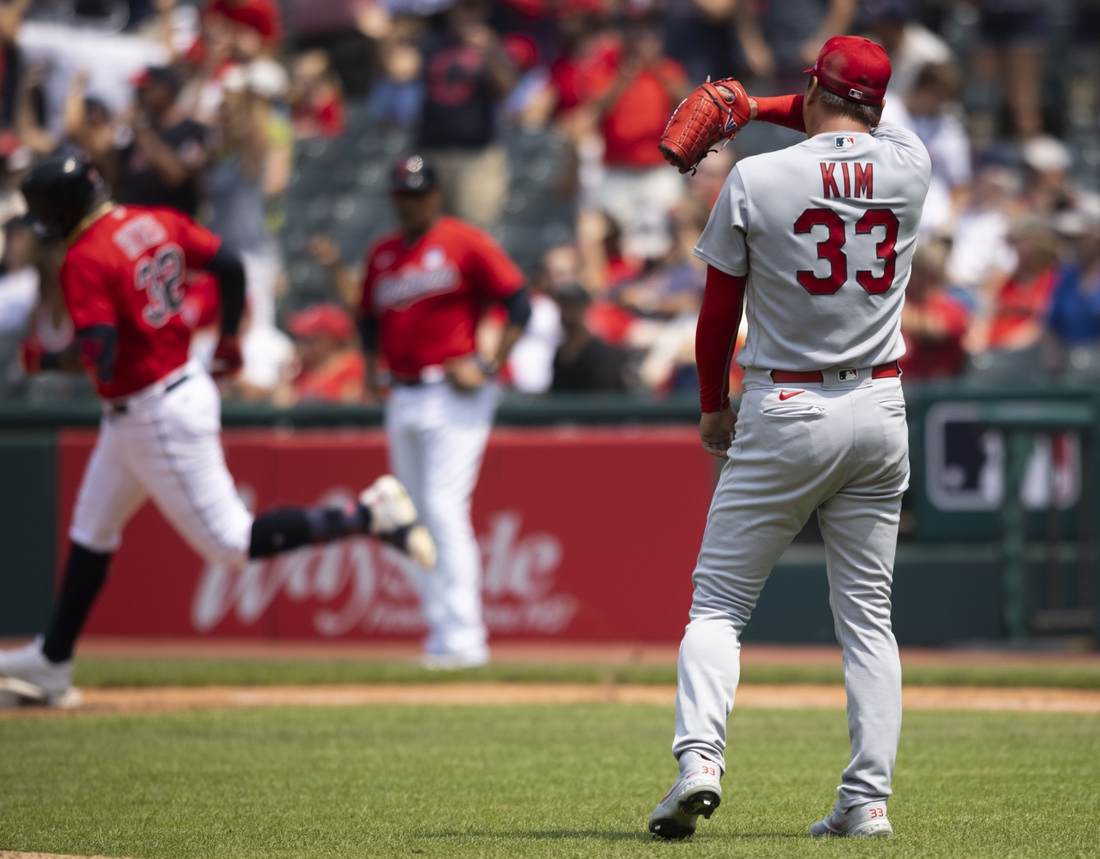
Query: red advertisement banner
[[586, 534]]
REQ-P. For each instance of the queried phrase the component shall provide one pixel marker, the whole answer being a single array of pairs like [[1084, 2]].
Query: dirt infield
[[613, 653], [794, 696], [166, 700]]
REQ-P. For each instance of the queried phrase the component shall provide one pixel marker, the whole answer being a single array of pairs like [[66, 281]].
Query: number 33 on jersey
[[129, 270], [851, 205]]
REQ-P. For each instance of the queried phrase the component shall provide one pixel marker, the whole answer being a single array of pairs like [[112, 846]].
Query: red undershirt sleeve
[[785, 110], [716, 337]]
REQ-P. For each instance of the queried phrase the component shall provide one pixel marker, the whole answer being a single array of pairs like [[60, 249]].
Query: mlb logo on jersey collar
[[845, 143]]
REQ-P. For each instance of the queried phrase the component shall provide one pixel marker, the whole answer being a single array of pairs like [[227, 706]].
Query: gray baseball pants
[[841, 448]]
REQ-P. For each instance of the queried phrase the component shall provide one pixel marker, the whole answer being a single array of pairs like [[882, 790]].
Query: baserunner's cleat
[[34, 678], [393, 519]]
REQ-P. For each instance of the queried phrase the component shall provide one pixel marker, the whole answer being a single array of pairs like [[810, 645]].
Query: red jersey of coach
[[429, 297], [129, 269]]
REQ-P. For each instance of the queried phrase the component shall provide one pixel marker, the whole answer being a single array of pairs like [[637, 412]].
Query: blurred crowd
[[209, 108]]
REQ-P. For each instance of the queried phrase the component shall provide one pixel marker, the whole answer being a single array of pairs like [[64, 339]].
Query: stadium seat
[[317, 152], [340, 187], [373, 178], [1083, 366], [537, 161], [308, 284], [1000, 366], [295, 240]]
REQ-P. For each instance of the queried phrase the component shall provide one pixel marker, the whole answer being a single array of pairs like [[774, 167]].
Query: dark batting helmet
[[61, 191]]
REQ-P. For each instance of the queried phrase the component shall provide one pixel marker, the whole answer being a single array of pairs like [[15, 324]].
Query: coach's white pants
[[437, 438], [166, 447], [842, 449]]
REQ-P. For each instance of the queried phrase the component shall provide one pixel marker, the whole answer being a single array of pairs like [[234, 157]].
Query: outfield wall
[[588, 532]]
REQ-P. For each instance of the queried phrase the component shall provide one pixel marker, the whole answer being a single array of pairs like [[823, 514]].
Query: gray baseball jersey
[[825, 231]]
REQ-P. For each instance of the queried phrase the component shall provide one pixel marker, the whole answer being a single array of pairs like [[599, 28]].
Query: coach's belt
[[121, 407], [428, 375], [889, 370]]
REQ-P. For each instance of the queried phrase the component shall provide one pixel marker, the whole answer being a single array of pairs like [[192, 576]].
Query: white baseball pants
[[166, 446], [437, 439], [840, 448]]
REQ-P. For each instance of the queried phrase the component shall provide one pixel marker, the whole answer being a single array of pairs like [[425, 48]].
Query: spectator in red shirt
[[638, 190], [933, 322], [603, 268], [331, 368], [588, 62], [316, 98], [256, 25], [1018, 305]]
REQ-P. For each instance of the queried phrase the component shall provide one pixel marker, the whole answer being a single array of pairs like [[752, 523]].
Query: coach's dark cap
[[412, 175], [154, 75]]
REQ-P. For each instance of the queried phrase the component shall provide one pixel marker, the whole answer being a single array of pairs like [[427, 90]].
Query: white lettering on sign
[[362, 585]]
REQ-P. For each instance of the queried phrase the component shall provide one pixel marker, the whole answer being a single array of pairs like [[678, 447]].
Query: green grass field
[[103, 672], [554, 781]]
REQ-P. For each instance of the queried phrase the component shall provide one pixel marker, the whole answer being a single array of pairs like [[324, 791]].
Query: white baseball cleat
[[33, 677], [393, 519], [697, 791], [859, 821]]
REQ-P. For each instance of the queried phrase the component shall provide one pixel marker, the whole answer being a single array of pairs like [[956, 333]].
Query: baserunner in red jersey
[[125, 281]]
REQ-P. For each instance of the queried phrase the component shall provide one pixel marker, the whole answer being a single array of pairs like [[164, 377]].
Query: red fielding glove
[[714, 111], [227, 357]]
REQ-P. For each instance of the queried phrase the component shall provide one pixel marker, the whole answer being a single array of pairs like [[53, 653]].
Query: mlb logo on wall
[[845, 143]]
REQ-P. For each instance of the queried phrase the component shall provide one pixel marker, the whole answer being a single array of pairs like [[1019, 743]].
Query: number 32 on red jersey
[[161, 278]]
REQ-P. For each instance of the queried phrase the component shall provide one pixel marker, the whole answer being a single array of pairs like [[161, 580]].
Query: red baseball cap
[[156, 75], [853, 68], [322, 320], [523, 50]]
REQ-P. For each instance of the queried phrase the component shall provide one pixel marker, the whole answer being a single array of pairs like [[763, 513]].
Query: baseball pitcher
[[815, 243], [125, 281]]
